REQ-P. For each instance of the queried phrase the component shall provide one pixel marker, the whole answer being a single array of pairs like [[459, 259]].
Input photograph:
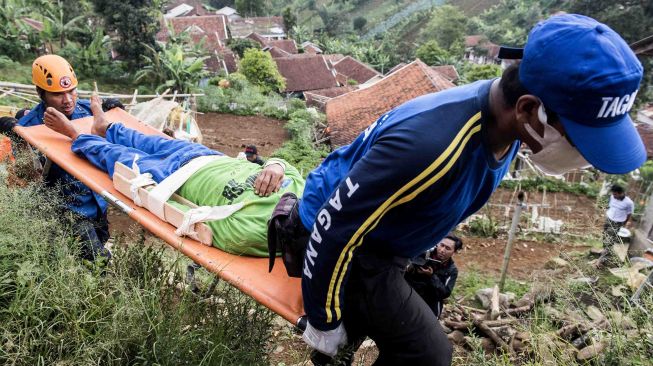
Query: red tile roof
[[318, 98], [351, 113], [34, 24], [211, 27], [355, 70], [265, 26], [448, 71], [305, 72], [311, 48], [277, 52], [333, 58], [395, 68], [287, 45], [258, 38]]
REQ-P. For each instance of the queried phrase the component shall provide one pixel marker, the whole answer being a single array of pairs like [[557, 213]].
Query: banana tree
[[56, 26], [172, 67]]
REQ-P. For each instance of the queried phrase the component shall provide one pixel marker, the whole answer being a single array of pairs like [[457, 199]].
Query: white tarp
[[161, 114]]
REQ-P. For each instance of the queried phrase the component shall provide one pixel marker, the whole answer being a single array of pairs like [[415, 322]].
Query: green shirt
[[228, 181]]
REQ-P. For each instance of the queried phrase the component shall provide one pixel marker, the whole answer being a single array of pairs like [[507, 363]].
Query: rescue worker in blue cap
[[425, 166]]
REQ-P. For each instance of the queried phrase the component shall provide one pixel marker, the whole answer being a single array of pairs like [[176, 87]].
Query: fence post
[[511, 238]]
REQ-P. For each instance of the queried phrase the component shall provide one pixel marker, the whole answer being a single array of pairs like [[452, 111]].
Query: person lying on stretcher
[[223, 181]]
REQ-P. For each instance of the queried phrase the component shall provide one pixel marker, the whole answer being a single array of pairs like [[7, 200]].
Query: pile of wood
[[504, 327]]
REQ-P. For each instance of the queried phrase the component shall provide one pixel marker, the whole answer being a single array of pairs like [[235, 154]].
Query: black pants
[[92, 235], [380, 304]]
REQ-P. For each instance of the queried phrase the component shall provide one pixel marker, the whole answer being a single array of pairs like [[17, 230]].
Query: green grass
[[473, 279], [55, 310]]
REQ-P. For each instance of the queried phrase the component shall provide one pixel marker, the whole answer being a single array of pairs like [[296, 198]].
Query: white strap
[[140, 180], [205, 213], [164, 190]]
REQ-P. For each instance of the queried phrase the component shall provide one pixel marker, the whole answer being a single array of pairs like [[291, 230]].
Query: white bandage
[[205, 213]]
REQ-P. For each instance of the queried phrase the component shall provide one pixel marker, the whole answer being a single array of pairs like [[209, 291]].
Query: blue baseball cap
[[585, 72]]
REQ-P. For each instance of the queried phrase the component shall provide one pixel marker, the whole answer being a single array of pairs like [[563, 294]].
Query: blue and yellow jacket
[[78, 197], [401, 186]]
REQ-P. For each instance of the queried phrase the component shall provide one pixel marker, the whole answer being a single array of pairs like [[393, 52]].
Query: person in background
[[251, 153], [433, 275], [620, 209]]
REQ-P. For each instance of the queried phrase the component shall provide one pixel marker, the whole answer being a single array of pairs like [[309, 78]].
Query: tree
[[359, 23], [431, 54], [250, 7], [259, 68], [509, 22], [136, 23], [330, 19], [480, 72], [12, 29], [289, 19], [56, 25], [174, 66], [240, 45], [447, 27], [219, 4]]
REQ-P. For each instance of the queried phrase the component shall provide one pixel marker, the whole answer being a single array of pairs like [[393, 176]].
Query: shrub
[[484, 227], [54, 310]]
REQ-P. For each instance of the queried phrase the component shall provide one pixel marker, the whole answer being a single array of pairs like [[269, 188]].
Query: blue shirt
[[401, 186], [79, 198]]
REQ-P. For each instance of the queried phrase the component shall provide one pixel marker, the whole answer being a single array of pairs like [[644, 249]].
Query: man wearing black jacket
[[434, 274]]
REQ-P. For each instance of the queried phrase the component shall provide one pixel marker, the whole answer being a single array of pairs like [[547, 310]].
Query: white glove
[[326, 342]]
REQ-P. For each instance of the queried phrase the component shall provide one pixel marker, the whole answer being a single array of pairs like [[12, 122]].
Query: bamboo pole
[[511, 238]]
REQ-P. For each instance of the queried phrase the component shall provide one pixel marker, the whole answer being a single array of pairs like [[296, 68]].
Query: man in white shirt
[[620, 209]]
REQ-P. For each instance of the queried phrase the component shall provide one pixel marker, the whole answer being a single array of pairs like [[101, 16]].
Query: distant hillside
[[381, 15]]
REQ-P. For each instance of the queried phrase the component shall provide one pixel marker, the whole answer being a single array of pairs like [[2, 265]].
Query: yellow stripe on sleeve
[[370, 222]]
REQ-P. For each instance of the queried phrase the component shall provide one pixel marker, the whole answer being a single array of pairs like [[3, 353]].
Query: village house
[[349, 114], [270, 28], [212, 29], [306, 73], [184, 8]]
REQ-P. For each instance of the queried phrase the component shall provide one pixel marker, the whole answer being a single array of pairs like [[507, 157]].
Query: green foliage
[[484, 227], [58, 25], [259, 68], [431, 54], [57, 311], [219, 4], [11, 70], [289, 19], [473, 279], [251, 7], [300, 150], [359, 23], [375, 54], [552, 185], [509, 22], [239, 45], [175, 66], [330, 19], [13, 31], [92, 61], [135, 22], [448, 27], [474, 72]]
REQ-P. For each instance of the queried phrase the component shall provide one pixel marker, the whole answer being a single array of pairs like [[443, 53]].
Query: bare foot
[[57, 122], [100, 122]]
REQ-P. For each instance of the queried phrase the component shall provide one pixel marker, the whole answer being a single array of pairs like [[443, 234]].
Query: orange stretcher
[[275, 290]]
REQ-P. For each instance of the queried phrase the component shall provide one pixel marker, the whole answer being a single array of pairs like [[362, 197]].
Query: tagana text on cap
[[587, 74]]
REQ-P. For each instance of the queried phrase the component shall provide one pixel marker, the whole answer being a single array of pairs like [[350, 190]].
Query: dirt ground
[[230, 134]]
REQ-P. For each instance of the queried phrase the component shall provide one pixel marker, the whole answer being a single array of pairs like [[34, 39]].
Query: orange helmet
[[53, 73]]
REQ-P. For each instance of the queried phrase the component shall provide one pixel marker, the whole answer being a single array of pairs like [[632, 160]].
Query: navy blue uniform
[[404, 183], [92, 227]]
